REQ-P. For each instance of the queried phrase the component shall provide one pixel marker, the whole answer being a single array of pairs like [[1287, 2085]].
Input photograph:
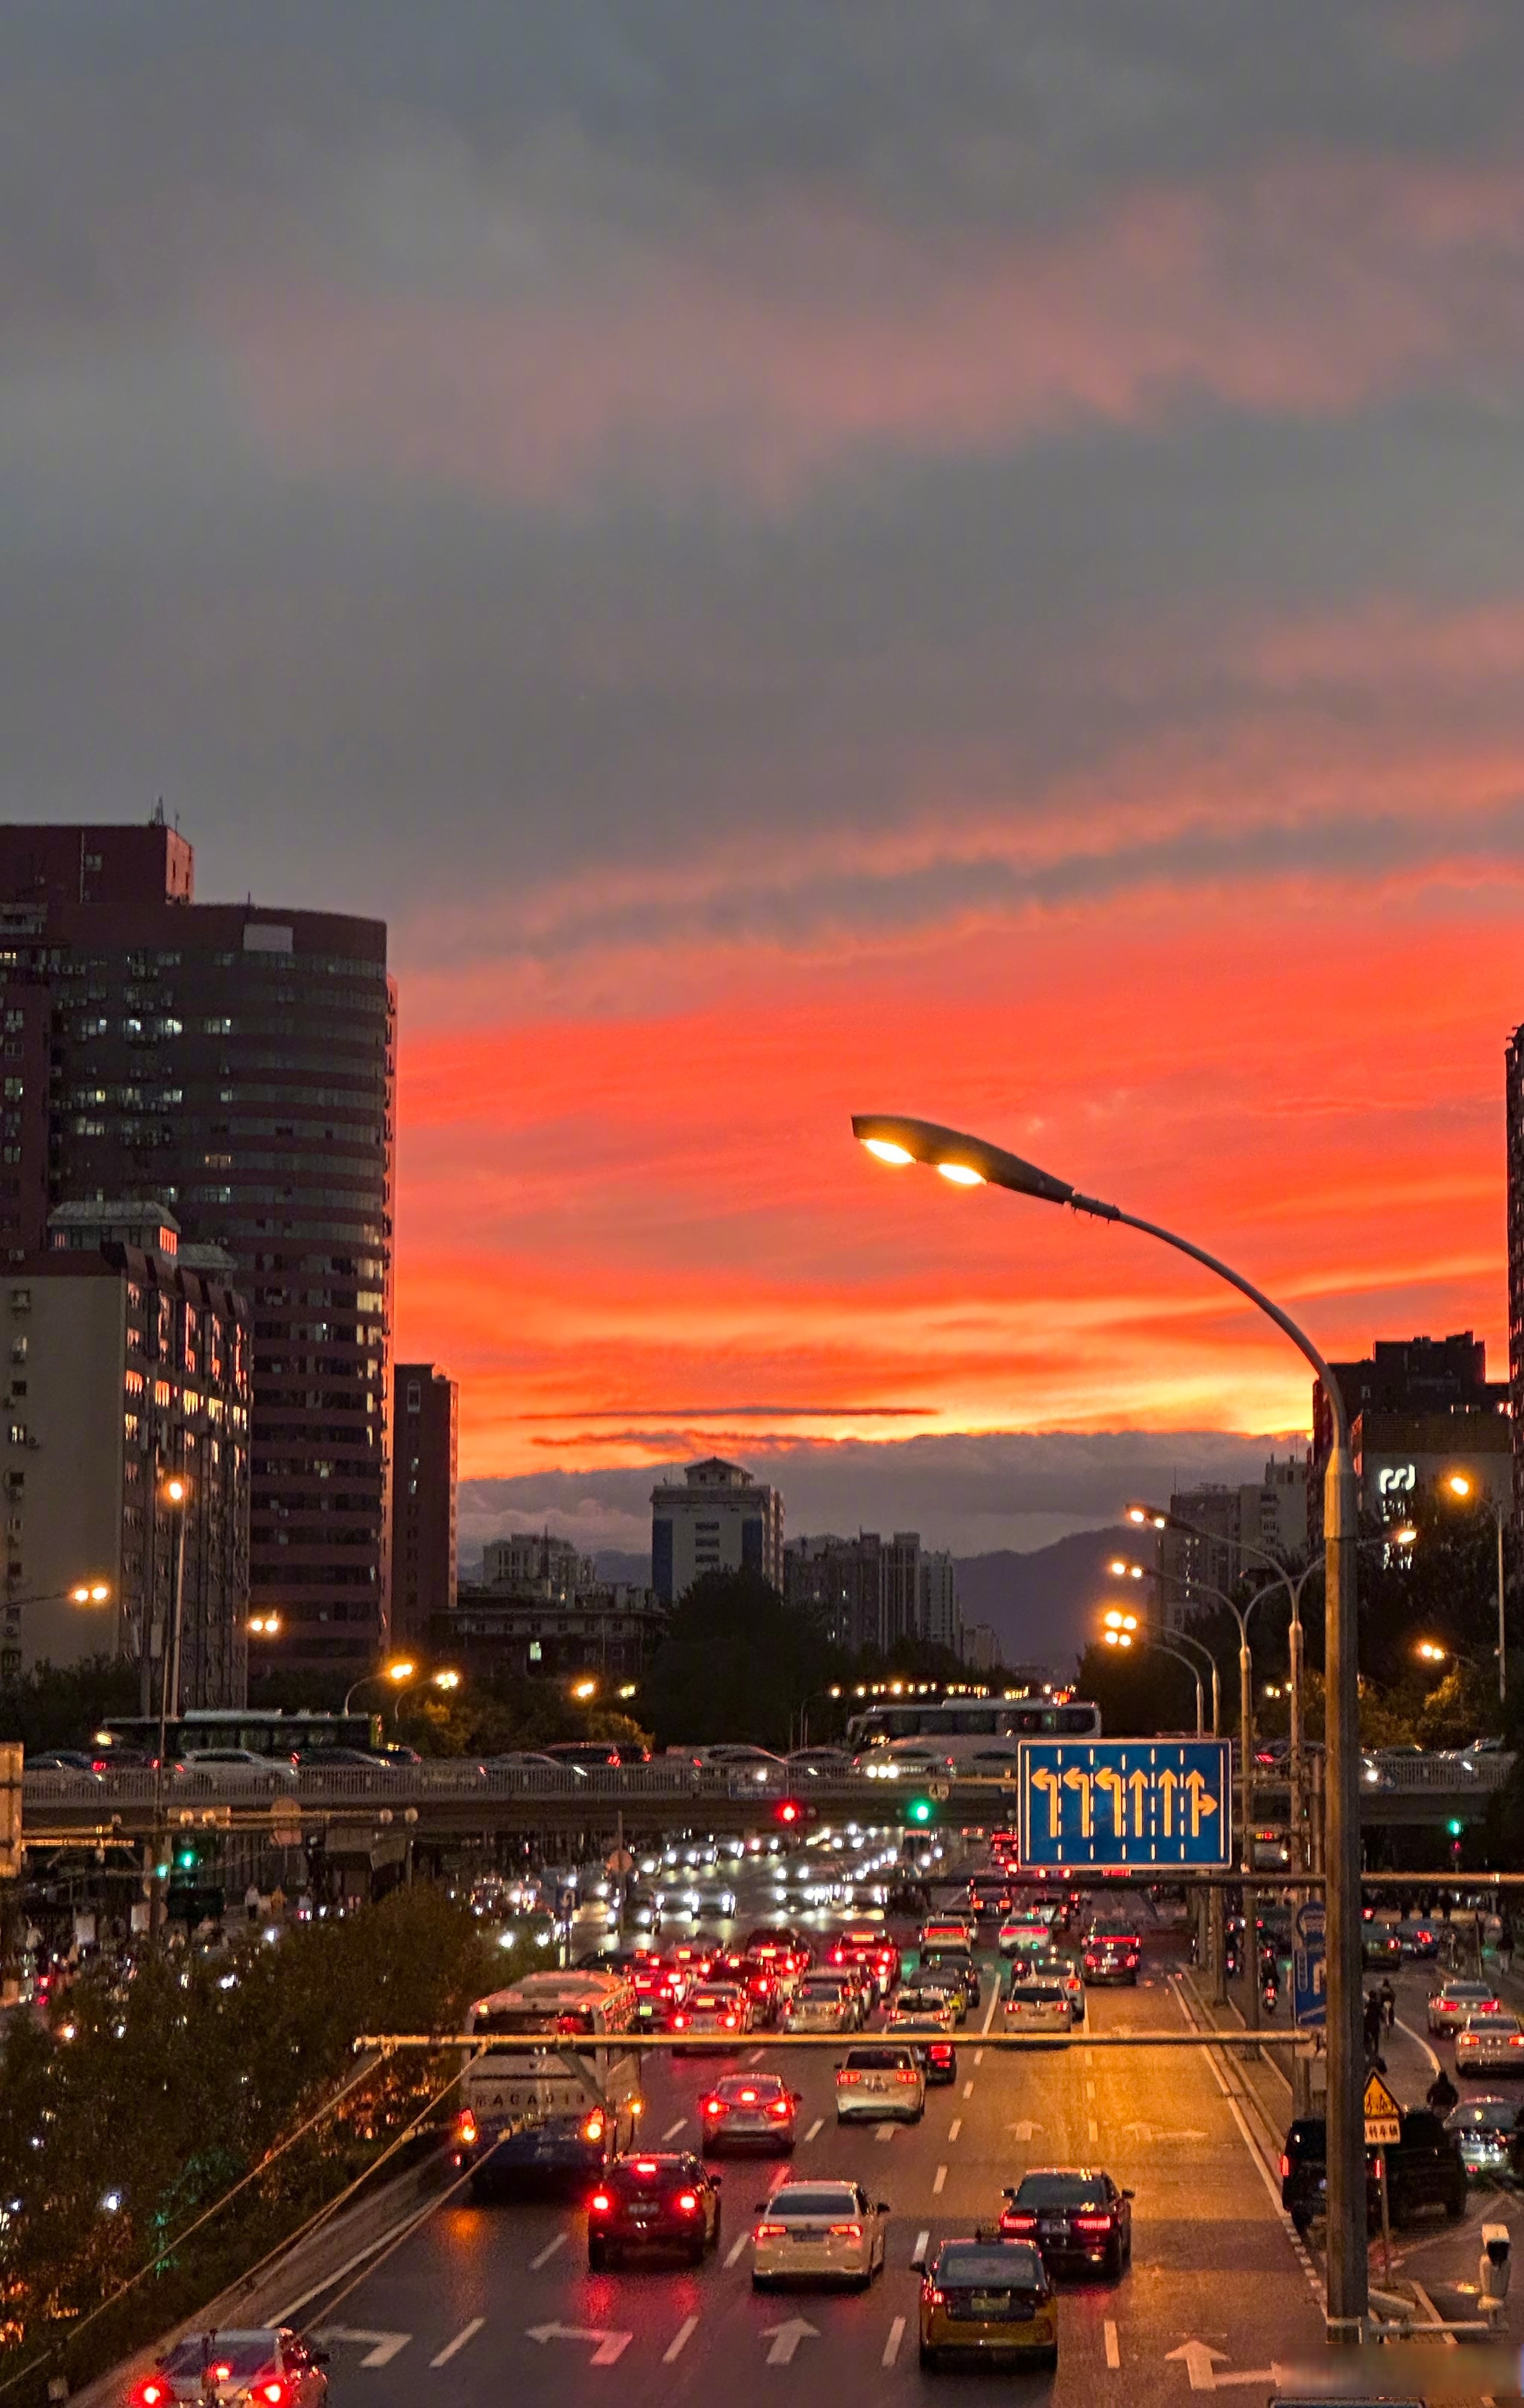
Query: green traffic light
[[185, 1860], [918, 1810], [1455, 1826]]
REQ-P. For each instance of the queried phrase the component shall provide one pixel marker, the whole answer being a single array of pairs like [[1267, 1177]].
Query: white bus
[[523, 2109], [967, 1736]]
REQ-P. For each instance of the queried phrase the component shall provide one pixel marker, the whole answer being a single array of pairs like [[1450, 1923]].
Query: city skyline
[[1047, 659]]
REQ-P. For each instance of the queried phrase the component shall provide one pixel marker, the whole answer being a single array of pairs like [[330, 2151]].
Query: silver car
[[882, 2085], [238, 2369], [1454, 2002], [819, 2231], [1489, 2044], [1038, 2008], [819, 2006]]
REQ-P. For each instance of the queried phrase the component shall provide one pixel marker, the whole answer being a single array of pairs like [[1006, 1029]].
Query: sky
[[959, 560]]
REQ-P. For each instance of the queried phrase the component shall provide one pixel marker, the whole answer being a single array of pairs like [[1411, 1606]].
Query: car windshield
[[1457, 1992], [243, 2355], [840, 2200], [1014, 2266], [876, 2061], [1061, 2191], [1483, 2115], [1036, 1993], [1493, 2024]]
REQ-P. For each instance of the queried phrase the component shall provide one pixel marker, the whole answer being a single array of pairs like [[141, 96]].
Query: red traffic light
[[790, 1811]]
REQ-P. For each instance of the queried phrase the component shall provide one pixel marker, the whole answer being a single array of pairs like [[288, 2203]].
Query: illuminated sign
[[1398, 1479], [1118, 1803]]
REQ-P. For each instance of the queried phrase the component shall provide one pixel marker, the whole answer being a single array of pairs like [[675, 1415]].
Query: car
[[985, 2298], [1023, 1935], [1112, 1955], [1424, 2168], [1039, 2007], [1489, 2133], [1063, 1970], [988, 1900], [750, 2111], [317, 1759], [946, 1930], [880, 2084], [951, 1963], [1075, 2216], [714, 2010], [822, 2003], [656, 2202], [819, 2232], [65, 1760], [1381, 1950], [1453, 2002], [230, 1767], [928, 2035], [1490, 2044], [253, 2363], [1418, 1937]]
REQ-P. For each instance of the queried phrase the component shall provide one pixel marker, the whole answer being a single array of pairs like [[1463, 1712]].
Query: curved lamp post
[[970, 1162], [1466, 1491], [1122, 1630]]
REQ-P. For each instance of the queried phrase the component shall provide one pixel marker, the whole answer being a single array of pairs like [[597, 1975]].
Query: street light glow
[[264, 1625], [583, 1690], [1460, 1485], [1430, 1653], [177, 1490], [1146, 1517], [403, 1670], [887, 1151], [445, 1680], [92, 1593], [962, 1174]]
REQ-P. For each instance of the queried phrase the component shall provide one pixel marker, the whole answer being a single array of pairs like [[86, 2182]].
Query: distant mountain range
[[1043, 1604]]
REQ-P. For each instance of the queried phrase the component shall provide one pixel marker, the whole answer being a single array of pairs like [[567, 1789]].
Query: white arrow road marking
[[384, 2346], [611, 2345], [673, 2130], [816, 2128], [1113, 2356], [736, 2249], [679, 2340], [1025, 2129], [547, 2253], [1201, 2362], [785, 2339], [467, 2332], [938, 2180], [955, 2128], [891, 2347]]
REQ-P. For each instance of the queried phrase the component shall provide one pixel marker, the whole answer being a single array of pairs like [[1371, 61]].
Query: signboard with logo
[[1309, 1965], [1116, 1803]]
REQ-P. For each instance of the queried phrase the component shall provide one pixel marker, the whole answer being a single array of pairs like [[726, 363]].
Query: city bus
[[972, 1735], [264, 1731], [523, 2109]]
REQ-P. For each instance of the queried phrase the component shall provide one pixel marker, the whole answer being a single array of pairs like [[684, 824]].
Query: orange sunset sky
[[964, 561]]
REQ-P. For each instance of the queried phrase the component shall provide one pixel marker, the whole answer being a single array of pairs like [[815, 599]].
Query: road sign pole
[[1348, 2279]]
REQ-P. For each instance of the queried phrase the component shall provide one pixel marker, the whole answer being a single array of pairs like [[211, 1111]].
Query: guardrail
[[1457, 1771]]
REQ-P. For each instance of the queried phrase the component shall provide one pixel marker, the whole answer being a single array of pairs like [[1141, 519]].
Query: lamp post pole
[[967, 1161]]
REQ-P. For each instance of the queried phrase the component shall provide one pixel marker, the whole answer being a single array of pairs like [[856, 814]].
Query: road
[[452, 2316]]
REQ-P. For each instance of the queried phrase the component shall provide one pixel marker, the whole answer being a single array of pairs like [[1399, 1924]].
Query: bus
[[968, 1735], [265, 1731], [522, 2109]]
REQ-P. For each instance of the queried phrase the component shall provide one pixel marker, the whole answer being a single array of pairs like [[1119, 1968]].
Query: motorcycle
[[1269, 1990]]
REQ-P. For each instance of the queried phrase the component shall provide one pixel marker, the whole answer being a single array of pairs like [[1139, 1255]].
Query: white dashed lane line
[[736, 2249], [1113, 2356], [673, 2130], [922, 2239], [467, 2332], [968, 2087], [816, 2128], [883, 2132], [548, 2253], [1095, 2129], [679, 2340], [955, 2128], [938, 2180], [891, 2347]]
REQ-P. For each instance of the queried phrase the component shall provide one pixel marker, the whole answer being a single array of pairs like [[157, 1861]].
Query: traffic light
[[1457, 1830], [919, 1812], [187, 1855], [792, 1813]]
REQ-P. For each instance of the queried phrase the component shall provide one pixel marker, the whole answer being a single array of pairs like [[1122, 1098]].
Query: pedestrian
[[1372, 2023], [1441, 2093], [1388, 2002], [1505, 1942]]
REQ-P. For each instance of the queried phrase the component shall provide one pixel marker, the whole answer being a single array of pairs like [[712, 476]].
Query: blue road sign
[[1126, 1801], [1309, 1965]]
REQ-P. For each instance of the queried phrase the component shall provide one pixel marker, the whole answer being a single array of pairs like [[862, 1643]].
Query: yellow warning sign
[[1383, 2116]]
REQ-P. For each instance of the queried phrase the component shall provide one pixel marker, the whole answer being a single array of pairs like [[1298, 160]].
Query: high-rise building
[[841, 1582], [1231, 1524], [533, 1563], [981, 1646], [720, 1520], [423, 1468], [236, 1062], [126, 1421], [1418, 1409], [941, 1623]]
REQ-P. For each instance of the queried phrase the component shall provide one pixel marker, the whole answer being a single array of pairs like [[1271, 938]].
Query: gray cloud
[[1008, 1489]]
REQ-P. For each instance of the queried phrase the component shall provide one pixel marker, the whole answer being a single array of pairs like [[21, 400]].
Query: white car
[[880, 2084], [718, 2009], [1454, 2003], [231, 1767], [821, 2231], [1489, 2044], [1039, 2007], [819, 2005]]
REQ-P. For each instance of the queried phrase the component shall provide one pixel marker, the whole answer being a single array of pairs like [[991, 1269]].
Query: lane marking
[[1113, 2356], [755, 2057], [979, 2057], [384, 2346], [1095, 2129], [968, 2090], [467, 2332], [1090, 2091], [938, 2180], [891, 2347], [736, 2248], [883, 2132], [923, 2241], [1429, 2053], [955, 2128], [679, 2340], [673, 2130], [548, 2252], [816, 2128], [989, 2011]]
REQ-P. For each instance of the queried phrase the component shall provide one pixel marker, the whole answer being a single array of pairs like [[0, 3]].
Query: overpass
[[456, 1798]]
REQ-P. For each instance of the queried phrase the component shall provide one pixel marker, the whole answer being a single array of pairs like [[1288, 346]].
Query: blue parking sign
[[1126, 1802]]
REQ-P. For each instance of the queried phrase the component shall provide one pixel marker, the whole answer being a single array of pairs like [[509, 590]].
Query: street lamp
[[584, 1690], [813, 1698], [90, 1593], [1466, 1491], [264, 1626], [972, 1162], [1182, 1637], [401, 1669], [1120, 1629]]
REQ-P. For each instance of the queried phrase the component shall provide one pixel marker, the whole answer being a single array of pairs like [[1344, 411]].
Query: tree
[[735, 1663]]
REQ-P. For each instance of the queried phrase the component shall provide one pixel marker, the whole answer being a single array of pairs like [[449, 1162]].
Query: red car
[[656, 2203], [751, 2110], [1113, 1956]]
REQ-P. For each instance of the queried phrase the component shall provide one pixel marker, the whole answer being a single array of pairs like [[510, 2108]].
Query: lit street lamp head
[[445, 1680], [1146, 1517], [1430, 1653], [401, 1671], [92, 1593], [583, 1690], [1460, 1485], [177, 1490], [965, 1161]]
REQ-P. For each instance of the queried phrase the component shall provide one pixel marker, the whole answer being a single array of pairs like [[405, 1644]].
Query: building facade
[[839, 1582], [1419, 1409], [721, 1519], [237, 1063], [128, 1365], [424, 1461], [981, 1646], [608, 1630], [535, 1564], [941, 1623], [1231, 1524]]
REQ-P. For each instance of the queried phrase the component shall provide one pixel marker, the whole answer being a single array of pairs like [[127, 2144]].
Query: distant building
[[424, 1469], [126, 1359], [940, 1622], [981, 1646], [536, 1565], [720, 1520], [1419, 1409], [841, 1582], [1270, 1514]]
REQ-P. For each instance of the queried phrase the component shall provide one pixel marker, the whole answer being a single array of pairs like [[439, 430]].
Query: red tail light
[[730, 2023], [714, 2106], [274, 2393], [934, 2297], [151, 2394], [847, 2231], [687, 2202], [1017, 2220], [466, 2131], [940, 2052], [905, 2073], [680, 2023], [600, 2203], [1286, 2167], [1092, 2223], [782, 2109], [770, 2231]]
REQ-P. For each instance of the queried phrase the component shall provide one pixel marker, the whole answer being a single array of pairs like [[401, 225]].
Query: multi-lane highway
[[494, 2300]]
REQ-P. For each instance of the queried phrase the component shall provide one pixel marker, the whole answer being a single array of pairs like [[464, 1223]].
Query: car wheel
[[761, 2282], [1050, 2359], [928, 2357], [598, 2256], [1112, 2268], [1455, 2208]]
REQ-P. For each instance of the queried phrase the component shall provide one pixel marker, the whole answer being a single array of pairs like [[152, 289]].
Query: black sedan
[[1077, 2217], [669, 2201], [1490, 2132]]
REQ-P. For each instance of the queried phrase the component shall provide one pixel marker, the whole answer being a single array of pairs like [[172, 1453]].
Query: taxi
[[987, 2297]]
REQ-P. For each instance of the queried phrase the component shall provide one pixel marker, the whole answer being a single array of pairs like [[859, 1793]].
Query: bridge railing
[[1456, 1770]]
